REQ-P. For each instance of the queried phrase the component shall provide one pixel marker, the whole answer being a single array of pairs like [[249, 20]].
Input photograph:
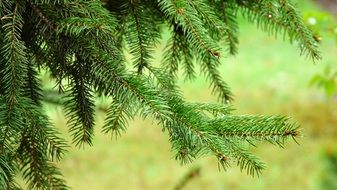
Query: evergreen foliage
[[82, 45]]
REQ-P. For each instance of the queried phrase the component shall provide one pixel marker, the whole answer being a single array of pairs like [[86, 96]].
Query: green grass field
[[268, 76]]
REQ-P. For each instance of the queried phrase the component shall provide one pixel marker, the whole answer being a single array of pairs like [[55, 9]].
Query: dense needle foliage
[[81, 44]]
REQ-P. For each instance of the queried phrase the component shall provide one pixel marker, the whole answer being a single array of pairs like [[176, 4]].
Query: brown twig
[[42, 16]]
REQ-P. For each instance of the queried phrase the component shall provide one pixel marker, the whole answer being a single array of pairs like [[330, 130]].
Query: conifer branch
[[77, 26], [187, 140], [117, 118], [209, 17], [35, 166], [11, 74], [117, 81], [194, 31], [307, 42], [38, 12], [273, 16], [80, 105], [38, 145], [244, 159], [274, 129], [14, 54], [209, 66], [214, 109], [8, 169], [172, 55], [178, 51], [4, 7], [190, 142], [141, 36], [231, 29], [32, 85], [139, 49], [81, 45]]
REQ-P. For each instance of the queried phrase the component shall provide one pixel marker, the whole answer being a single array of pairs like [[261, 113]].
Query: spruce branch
[[80, 105], [8, 169], [52, 2], [37, 147], [211, 108], [172, 54], [54, 144], [4, 7], [274, 129], [81, 44], [38, 12], [13, 52], [195, 32], [209, 18], [281, 16], [35, 166], [245, 159], [209, 66], [178, 51], [193, 133], [78, 26], [140, 35], [307, 43], [120, 112], [228, 14], [32, 85], [116, 81]]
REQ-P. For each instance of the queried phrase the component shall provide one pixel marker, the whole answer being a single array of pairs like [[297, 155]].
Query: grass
[[268, 76]]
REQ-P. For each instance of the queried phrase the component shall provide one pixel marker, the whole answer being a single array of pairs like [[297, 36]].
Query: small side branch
[[37, 11]]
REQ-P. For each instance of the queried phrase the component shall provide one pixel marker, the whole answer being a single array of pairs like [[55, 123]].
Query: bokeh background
[[268, 76]]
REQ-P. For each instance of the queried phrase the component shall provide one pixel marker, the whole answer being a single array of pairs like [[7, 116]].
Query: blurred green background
[[268, 76]]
